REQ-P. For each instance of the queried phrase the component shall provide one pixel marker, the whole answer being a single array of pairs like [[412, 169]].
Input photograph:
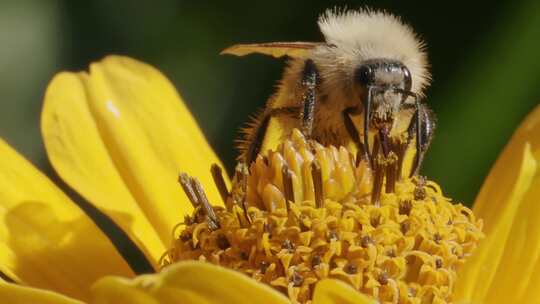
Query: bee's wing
[[274, 49]]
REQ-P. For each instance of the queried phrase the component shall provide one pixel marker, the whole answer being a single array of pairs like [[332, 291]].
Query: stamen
[[383, 278], [391, 172], [242, 173], [185, 182], [264, 266], [287, 185], [333, 236], [401, 149], [359, 157], [385, 141], [222, 242], [213, 221], [405, 207], [379, 166], [419, 190], [297, 279], [366, 241], [316, 260], [288, 245], [375, 220], [268, 229], [240, 221], [217, 175], [352, 157], [376, 148], [350, 268], [246, 214], [316, 175], [404, 227]]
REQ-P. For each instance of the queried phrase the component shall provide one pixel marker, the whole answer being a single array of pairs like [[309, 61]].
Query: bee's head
[[376, 49], [383, 74], [385, 84]]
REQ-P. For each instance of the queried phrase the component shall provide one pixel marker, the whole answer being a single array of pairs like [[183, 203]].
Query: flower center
[[307, 212]]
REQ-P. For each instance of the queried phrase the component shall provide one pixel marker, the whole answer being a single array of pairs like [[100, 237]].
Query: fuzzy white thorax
[[356, 36]]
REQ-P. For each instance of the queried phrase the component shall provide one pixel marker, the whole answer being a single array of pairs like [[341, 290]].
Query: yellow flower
[[310, 213], [120, 135]]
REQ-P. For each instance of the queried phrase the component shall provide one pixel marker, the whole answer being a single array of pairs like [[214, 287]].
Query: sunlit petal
[[77, 152], [336, 292], [15, 294], [112, 290], [46, 241], [187, 282], [120, 135], [504, 268]]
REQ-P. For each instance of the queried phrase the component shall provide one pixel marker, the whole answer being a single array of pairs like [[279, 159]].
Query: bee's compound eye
[[364, 74], [407, 79]]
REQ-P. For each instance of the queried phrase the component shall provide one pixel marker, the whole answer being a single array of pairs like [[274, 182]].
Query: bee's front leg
[[422, 127], [309, 83]]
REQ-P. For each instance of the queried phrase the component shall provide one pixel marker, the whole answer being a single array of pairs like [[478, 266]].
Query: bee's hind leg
[[421, 128], [256, 134], [310, 81]]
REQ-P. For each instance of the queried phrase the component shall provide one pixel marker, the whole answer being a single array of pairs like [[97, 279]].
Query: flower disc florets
[[307, 212]]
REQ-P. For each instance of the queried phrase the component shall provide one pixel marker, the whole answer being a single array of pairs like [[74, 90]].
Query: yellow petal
[[504, 267], [329, 291], [15, 294], [112, 290], [187, 282], [120, 135], [46, 241], [76, 150]]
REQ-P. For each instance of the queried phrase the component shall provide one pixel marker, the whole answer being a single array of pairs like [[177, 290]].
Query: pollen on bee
[[306, 212]]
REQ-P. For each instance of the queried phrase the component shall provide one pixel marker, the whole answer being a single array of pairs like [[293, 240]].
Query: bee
[[359, 88]]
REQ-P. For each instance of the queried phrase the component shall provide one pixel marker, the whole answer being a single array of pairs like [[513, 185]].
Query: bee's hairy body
[[364, 51]]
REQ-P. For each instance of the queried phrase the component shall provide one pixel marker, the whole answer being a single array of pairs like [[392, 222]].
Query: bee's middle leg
[[310, 81]]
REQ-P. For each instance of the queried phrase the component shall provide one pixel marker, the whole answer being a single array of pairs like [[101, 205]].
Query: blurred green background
[[485, 59]]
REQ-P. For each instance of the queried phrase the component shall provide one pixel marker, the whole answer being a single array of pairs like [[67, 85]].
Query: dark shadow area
[[121, 241], [6, 278]]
